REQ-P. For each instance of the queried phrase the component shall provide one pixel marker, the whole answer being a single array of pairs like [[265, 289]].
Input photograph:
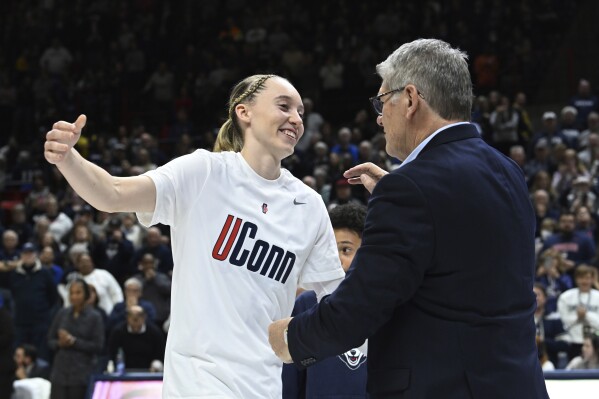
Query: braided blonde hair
[[230, 136]]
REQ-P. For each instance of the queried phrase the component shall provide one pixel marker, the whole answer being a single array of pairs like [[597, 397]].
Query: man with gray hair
[[442, 283]]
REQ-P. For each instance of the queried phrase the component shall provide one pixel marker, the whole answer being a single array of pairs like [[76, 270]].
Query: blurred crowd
[[153, 78]]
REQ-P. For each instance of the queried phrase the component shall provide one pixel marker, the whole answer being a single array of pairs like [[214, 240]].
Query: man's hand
[[367, 174], [62, 138], [276, 338]]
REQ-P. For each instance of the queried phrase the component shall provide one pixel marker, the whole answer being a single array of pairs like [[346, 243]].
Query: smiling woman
[[264, 122], [241, 241]]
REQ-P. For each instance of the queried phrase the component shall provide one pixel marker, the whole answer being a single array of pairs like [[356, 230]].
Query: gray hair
[[132, 281], [438, 71]]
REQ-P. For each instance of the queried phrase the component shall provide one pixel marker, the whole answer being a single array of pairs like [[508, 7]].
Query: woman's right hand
[[62, 138]]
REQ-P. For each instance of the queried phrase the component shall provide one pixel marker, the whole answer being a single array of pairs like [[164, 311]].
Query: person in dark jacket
[[453, 214], [35, 296], [142, 343], [76, 336]]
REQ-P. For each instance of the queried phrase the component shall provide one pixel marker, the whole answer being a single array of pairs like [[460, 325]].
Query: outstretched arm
[[95, 185]]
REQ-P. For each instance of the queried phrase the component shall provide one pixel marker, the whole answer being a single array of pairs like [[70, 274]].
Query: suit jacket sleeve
[[397, 247]]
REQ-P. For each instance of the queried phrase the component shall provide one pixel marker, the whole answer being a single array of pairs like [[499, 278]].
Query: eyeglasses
[[377, 103]]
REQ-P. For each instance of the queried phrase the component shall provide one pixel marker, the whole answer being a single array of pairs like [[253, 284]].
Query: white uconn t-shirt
[[241, 246]]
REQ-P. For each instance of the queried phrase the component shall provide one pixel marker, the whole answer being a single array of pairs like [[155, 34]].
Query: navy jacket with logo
[[442, 284], [342, 376]]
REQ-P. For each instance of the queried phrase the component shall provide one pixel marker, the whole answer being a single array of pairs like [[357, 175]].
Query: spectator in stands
[[343, 194], [59, 223], [156, 287], [9, 252], [504, 124], [132, 230], [568, 169], [580, 195], [76, 337], [518, 154], [541, 160], [592, 128], [590, 154], [35, 201], [345, 146], [155, 245], [29, 365], [81, 238], [589, 355], [19, 223], [552, 272], [550, 132], [323, 187], [568, 125], [118, 251], [34, 294], [142, 342], [585, 102], [108, 289], [549, 327], [577, 247], [543, 208], [365, 152], [56, 59], [46, 258], [133, 289], [525, 128], [94, 303], [312, 122], [586, 222], [579, 308]]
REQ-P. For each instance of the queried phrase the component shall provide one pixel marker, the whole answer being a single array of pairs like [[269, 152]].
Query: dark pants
[[68, 391]]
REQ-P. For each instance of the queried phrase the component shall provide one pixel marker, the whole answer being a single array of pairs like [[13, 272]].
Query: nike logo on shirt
[[295, 202]]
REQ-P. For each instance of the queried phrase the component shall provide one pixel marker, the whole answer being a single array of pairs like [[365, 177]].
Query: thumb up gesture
[[62, 138]]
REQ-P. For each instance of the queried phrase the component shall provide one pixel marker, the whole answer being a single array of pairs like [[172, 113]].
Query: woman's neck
[[264, 164]]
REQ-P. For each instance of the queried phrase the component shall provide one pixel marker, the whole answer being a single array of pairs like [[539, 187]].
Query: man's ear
[[243, 112], [413, 100]]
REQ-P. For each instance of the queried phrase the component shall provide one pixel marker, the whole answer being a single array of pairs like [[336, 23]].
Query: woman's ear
[[243, 113]]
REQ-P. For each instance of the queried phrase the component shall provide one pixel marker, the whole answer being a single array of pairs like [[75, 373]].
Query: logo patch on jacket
[[353, 358]]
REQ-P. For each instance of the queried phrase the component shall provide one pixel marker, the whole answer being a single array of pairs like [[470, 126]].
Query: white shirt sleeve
[[324, 288], [178, 185]]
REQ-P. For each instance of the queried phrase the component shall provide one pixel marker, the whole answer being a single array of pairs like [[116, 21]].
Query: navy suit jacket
[[442, 284]]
